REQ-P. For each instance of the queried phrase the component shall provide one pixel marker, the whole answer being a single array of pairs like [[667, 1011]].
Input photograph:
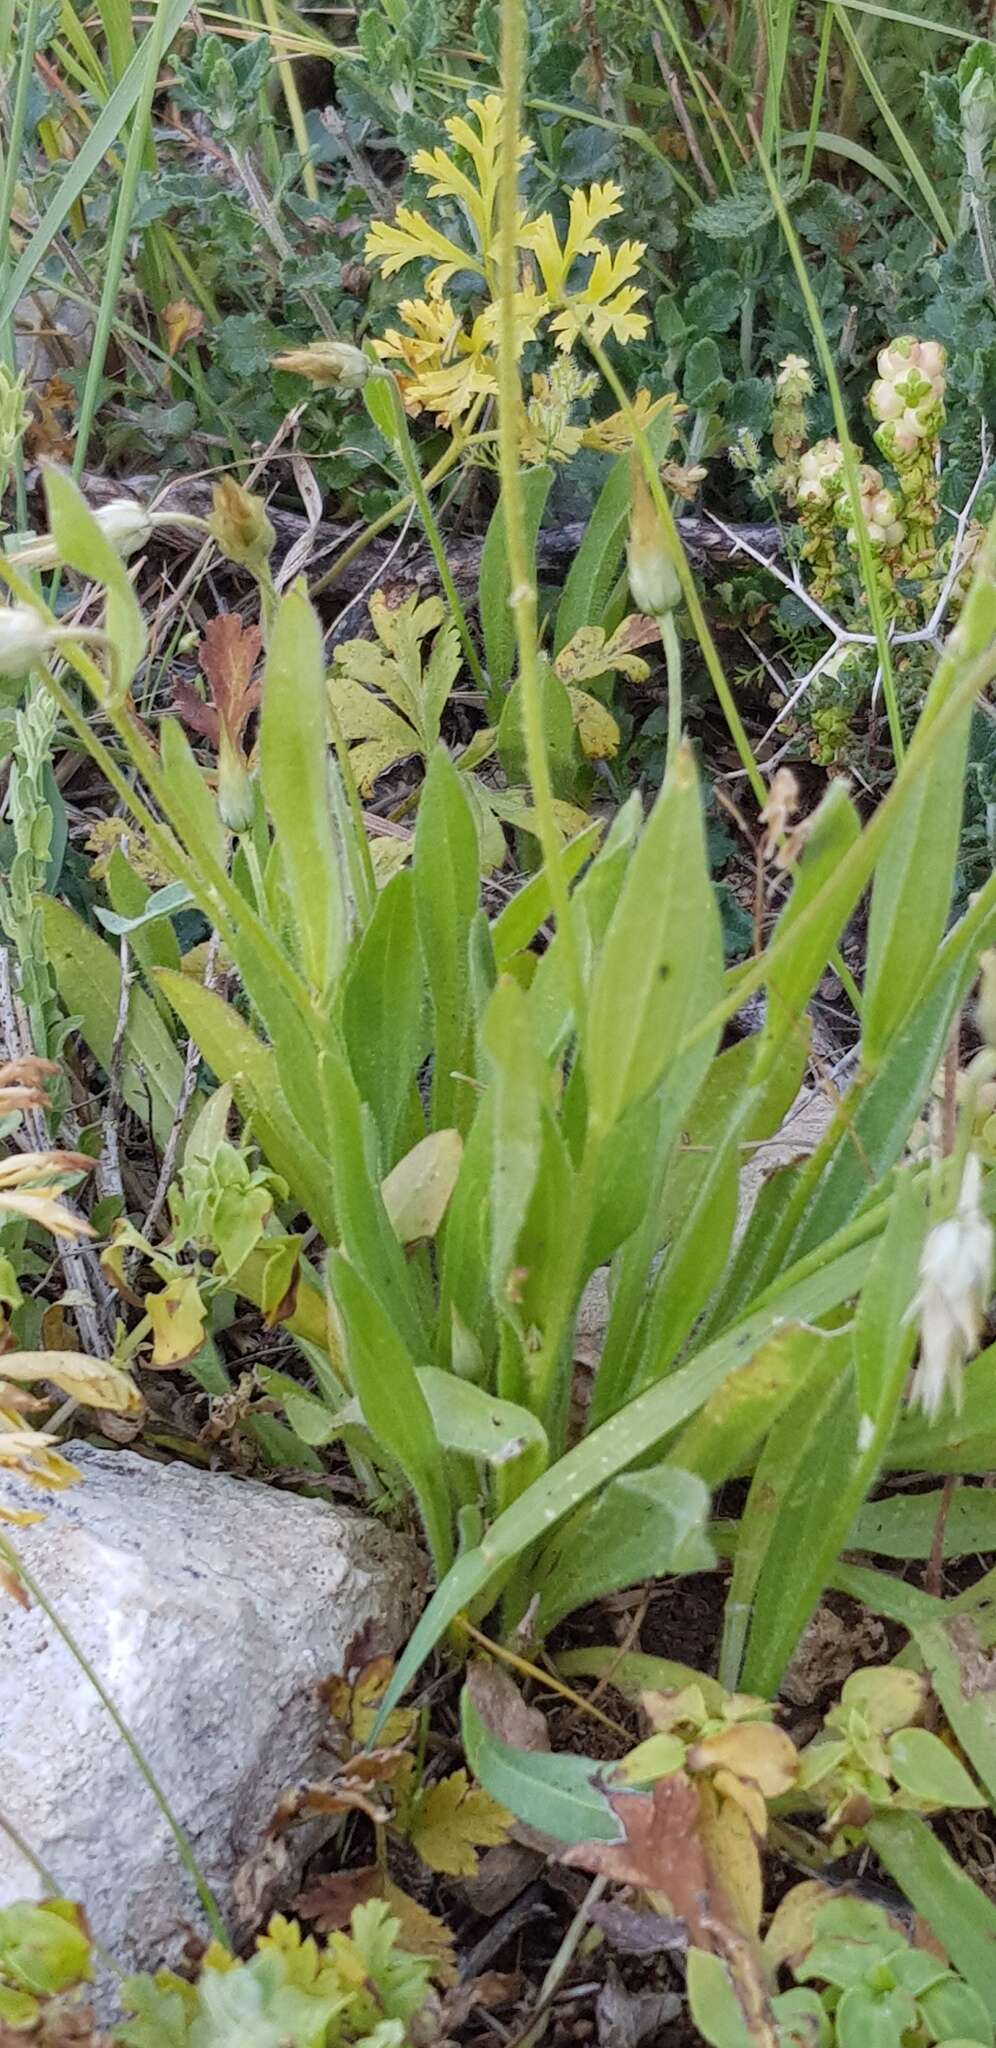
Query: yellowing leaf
[[177, 1315], [762, 1755], [30, 1452], [181, 322], [421, 1933], [40, 1206], [356, 1704], [595, 726], [732, 1855], [453, 1820], [388, 855], [417, 1190], [92, 1381], [590, 652]]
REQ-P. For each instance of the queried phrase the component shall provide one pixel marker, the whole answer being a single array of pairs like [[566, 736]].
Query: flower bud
[[794, 380], [653, 578], [235, 790], [884, 400], [240, 526], [955, 1283], [327, 363], [25, 637], [820, 471], [126, 524]]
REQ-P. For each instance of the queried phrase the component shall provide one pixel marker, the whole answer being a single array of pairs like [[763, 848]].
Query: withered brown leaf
[[229, 652]]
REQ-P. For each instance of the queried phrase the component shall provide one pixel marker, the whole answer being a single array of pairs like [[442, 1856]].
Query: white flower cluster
[[908, 393]]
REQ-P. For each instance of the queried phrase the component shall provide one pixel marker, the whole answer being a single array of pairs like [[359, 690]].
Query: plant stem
[[152, 51], [672, 655], [423, 505], [523, 593], [14, 139], [689, 589], [184, 1850]]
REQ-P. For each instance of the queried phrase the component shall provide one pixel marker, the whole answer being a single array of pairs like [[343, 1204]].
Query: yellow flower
[[588, 210], [483, 147], [449, 365], [410, 238], [605, 305], [613, 435]]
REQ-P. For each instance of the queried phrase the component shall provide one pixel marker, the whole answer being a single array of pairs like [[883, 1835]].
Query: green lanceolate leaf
[[519, 1082], [835, 827], [770, 1527], [911, 894], [660, 967], [149, 931], [905, 1524], [394, 1407], [477, 1425], [911, 897], [713, 2003], [382, 1007], [465, 1291], [961, 1916], [365, 1228], [557, 1794], [841, 1452], [192, 807], [237, 1056], [85, 548], [445, 868], [962, 1670], [295, 771], [88, 978], [618, 1443], [644, 1525], [495, 588], [722, 1440], [518, 922]]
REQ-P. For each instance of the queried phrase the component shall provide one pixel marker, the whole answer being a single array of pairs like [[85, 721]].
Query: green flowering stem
[[689, 588], [523, 592], [11, 1558], [672, 656], [423, 505], [447, 461]]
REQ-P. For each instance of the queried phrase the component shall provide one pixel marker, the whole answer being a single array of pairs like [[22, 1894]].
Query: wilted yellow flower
[[239, 524], [327, 365]]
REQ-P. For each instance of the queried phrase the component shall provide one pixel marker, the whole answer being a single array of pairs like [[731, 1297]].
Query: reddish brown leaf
[[330, 1900], [661, 1849], [502, 1708], [200, 717], [662, 1853], [229, 653]]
